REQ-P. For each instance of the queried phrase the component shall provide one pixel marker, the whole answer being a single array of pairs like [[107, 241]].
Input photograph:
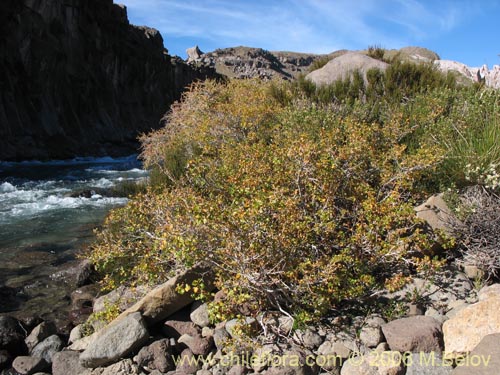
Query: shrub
[[298, 207], [319, 63], [376, 52], [478, 232]]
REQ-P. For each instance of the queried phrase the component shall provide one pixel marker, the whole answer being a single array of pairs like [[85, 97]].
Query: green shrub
[[297, 206], [376, 52]]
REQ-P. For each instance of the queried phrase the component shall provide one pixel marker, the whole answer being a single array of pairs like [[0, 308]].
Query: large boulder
[[483, 360], [414, 334], [469, 326], [165, 300], [29, 365], [115, 341], [344, 66], [40, 333], [47, 348]]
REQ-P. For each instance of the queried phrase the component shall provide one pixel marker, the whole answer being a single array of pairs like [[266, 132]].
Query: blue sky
[[461, 30]]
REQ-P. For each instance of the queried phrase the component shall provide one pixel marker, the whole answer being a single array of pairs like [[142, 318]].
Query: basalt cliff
[[76, 78]]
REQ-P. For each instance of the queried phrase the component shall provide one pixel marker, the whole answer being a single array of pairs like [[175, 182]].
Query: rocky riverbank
[[168, 333]]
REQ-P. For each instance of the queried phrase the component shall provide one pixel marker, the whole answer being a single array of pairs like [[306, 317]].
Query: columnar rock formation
[[77, 79]]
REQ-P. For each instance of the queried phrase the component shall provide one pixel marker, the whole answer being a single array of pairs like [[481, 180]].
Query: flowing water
[[48, 211]]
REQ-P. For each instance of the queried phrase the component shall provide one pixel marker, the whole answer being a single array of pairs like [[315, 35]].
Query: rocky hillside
[[77, 79], [247, 62]]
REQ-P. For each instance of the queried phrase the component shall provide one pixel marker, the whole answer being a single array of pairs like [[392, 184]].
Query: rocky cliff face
[[77, 79], [247, 62]]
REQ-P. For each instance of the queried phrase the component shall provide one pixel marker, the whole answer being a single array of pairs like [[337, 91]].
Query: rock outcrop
[[77, 79], [247, 62], [343, 66]]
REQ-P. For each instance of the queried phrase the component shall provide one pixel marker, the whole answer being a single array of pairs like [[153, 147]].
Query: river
[[48, 211]]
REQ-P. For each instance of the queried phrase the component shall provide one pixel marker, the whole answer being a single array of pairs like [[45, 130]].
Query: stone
[[29, 365], [343, 67], [489, 291], [332, 355], [237, 370], [371, 332], [427, 364], [468, 327], [198, 345], [433, 313], [292, 362], [187, 362], [48, 347], [436, 213], [75, 334], [76, 274], [199, 314], [414, 334], [473, 272], [68, 362], [12, 336], [125, 367], [455, 308], [285, 324], [177, 328], [115, 341], [122, 296], [483, 360], [233, 326], [164, 300], [308, 338], [375, 363], [156, 356], [83, 343], [194, 53], [40, 333]]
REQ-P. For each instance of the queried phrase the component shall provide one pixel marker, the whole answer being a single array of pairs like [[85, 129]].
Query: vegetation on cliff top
[[300, 197]]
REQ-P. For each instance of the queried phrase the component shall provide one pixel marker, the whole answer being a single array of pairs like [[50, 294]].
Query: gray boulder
[[68, 362], [47, 348], [29, 365], [115, 341], [40, 333], [199, 314], [414, 334], [371, 333]]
